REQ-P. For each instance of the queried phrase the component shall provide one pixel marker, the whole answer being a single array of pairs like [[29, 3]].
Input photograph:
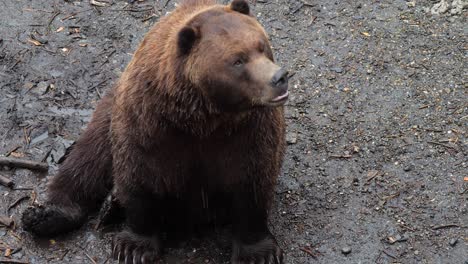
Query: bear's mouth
[[281, 98]]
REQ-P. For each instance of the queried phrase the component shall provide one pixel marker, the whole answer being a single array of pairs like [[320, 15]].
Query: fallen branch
[[97, 3], [309, 252], [28, 164], [389, 254], [12, 261], [445, 226], [52, 20], [441, 144], [89, 257], [135, 10], [110, 211], [15, 203], [345, 156], [7, 182], [307, 4], [20, 188]]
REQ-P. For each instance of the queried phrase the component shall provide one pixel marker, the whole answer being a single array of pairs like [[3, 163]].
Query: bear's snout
[[280, 80]]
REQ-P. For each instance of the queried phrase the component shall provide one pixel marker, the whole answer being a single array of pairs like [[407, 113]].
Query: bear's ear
[[186, 39], [241, 6]]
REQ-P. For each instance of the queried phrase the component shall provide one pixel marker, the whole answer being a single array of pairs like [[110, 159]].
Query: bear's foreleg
[[140, 242], [136, 188], [253, 241]]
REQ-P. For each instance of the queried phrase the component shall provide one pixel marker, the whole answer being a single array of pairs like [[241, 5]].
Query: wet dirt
[[376, 165]]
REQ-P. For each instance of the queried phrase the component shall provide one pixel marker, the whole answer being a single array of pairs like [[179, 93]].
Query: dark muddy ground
[[377, 122]]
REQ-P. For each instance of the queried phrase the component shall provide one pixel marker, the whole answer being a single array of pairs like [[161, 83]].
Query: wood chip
[[35, 42], [6, 221], [17, 154], [372, 174], [97, 3]]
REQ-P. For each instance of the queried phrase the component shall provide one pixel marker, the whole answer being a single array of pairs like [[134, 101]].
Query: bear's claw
[[130, 248], [265, 251]]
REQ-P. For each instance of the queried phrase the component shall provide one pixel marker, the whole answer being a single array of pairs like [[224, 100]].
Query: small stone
[[346, 250], [41, 88], [409, 167], [453, 242], [40, 138], [440, 8], [458, 6], [356, 182], [90, 238], [28, 85], [337, 69], [291, 138], [452, 19], [392, 240]]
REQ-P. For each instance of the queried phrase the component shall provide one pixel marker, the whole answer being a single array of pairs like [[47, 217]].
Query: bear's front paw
[[265, 251], [131, 248]]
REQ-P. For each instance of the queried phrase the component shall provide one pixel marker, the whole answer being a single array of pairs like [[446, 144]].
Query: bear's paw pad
[[136, 249]]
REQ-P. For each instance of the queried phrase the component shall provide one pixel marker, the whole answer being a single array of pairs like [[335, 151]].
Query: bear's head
[[227, 55]]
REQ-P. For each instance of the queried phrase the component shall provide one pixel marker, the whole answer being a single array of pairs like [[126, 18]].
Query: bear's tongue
[[281, 97]]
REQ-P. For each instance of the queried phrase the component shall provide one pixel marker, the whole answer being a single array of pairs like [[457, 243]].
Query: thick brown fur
[[175, 148]]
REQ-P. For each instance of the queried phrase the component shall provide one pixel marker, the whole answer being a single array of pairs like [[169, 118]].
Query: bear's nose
[[280, 79]]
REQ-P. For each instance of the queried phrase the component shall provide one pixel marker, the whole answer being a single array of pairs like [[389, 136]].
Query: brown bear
[[193, 131]]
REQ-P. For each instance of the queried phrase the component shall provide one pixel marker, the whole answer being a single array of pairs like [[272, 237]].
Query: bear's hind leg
[[82, 182]]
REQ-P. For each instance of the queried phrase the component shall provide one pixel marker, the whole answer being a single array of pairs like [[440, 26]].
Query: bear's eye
[[238, 63]]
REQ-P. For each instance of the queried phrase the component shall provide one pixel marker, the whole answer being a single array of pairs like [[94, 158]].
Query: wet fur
[[164, 148]]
